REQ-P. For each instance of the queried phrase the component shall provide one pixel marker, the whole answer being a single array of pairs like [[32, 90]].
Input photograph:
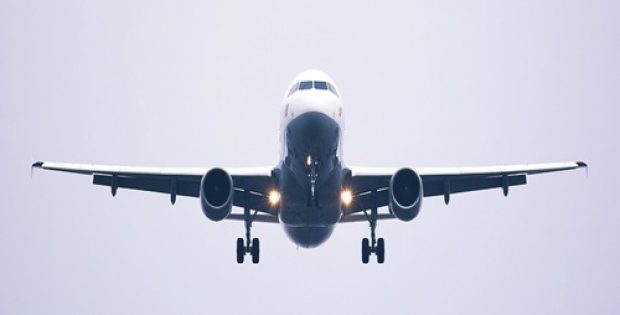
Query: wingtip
[[37, 164], [582, 164]]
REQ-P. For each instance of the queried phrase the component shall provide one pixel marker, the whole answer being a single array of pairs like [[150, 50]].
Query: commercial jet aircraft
[[311, 190]]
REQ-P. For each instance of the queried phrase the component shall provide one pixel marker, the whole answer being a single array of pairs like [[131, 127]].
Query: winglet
[[583, 164], [37, 164]]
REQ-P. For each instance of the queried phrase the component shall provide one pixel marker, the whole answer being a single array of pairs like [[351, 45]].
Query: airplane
[[311, 189]]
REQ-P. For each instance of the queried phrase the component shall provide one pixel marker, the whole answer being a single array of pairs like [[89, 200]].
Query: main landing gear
[[251, 245], [376, 246]]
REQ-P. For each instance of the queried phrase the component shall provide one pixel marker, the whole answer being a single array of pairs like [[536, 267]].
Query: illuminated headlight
[[274, 197], [346, 196]]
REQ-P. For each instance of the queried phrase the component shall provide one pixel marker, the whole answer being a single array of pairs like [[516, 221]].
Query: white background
[[425, 83]]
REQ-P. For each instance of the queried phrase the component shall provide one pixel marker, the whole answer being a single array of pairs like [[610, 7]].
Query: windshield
[[305, 85], [317, 85], [320, 85]]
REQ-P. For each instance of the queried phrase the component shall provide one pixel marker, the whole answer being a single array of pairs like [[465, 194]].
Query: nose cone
[[313, 75], [313, 133], [309, 236]]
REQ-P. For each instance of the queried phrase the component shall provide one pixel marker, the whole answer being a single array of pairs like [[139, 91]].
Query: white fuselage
[[311, 168], [299, 101]]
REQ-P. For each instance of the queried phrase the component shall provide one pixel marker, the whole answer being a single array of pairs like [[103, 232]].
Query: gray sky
[[199, 83]]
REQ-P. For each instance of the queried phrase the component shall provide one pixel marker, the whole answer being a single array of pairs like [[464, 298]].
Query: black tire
[[380, 250], [240, 250], [255, 250], [365, 250]]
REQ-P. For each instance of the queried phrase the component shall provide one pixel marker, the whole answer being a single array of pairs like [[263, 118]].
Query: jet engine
[[216, 194], [406, 192]]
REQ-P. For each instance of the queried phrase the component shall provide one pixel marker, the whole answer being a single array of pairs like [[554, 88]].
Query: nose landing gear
[[248, 247], [312, 165]]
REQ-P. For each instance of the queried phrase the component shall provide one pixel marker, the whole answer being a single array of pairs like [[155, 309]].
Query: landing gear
[[312, 165], [240, 250], [374, 245], [255, 250], [367, 250], [380, 250], [250, 245]]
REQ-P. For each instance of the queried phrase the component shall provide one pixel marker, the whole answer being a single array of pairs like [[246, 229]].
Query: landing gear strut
[[312, 164], [376, 246], [251, 245]]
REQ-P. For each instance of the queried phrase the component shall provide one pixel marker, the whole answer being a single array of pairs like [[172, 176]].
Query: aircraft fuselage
[[311, 170]]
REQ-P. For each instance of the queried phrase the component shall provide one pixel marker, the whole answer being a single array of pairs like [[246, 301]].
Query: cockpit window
[[320, 85], [332, 89], [305, 85], [308, 85], [293, 89]]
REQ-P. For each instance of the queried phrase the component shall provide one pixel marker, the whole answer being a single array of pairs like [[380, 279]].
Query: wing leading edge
[[251, 184], [370, 185]]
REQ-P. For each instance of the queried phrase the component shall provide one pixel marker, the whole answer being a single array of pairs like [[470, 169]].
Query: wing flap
[[364, 218], [459, 185], [445, 180], [367, 200], [252, 184], [189, 188], [253, 200]]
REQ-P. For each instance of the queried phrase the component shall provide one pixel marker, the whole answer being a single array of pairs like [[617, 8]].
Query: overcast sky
[[199, 83]]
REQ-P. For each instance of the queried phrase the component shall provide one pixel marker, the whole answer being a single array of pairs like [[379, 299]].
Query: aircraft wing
[[443, 181], [251, 184]]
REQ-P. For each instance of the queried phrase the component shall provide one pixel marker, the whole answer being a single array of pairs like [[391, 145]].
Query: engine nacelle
[[216, 194], [406, 192]]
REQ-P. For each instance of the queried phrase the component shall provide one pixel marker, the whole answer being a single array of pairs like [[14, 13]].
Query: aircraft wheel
[[255, 250], [380, 250], [240, 250], [365, 250]]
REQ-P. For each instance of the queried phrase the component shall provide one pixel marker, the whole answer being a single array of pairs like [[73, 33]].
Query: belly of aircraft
[[309, 236], [309, 225], [311, 179]]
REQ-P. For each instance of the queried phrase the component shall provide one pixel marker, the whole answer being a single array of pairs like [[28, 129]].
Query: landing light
[[309, 160], [346, 196], [274, 197]]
